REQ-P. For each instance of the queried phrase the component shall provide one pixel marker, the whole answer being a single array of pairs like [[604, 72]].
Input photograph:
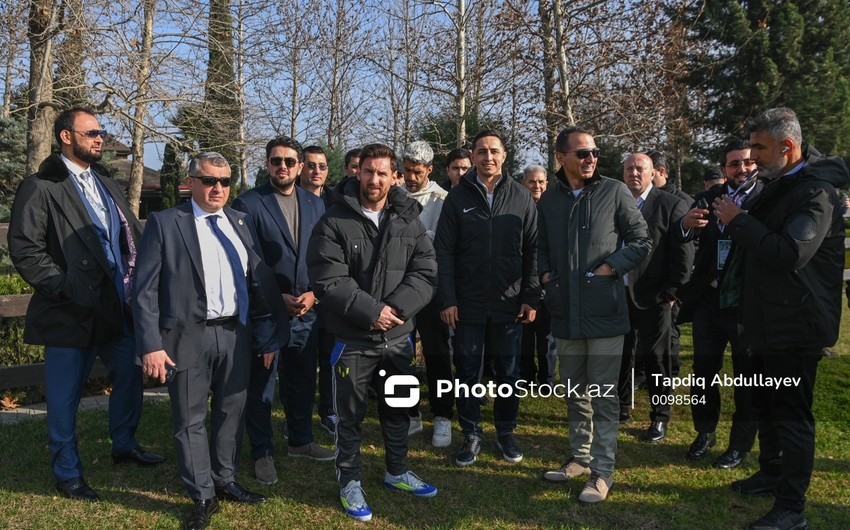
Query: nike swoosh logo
[[467, 210]]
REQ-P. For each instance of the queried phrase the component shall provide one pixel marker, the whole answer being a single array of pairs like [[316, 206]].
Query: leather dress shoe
[[77, 489], [656, 432], [731, 458], [138, 456], [760, 483], [700, 446], [780, 519], [201, 514], [232, 491]]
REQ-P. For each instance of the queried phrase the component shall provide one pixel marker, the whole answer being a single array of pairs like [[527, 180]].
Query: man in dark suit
[[652, 288], [714, 328], [284, 216], [72, 236], [205, 301]]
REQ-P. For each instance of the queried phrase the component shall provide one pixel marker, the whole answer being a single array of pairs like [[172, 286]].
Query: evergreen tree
[[170, 176], [747, 56]]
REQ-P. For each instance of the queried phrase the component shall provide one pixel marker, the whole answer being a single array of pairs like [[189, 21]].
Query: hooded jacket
[[787, 258], [578, 234], [487, 256], [356, 269]]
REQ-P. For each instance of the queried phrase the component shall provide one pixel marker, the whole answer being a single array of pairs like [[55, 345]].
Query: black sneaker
[[509, 448], [759, 484], [780, 519], [328, 423], [468, 451]]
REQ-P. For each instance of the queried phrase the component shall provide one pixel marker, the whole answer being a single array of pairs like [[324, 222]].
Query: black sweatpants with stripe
[[353, 369]]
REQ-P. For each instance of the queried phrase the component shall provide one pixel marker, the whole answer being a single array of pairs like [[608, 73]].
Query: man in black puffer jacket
[[372, 267], [486, 247], [784, 273]]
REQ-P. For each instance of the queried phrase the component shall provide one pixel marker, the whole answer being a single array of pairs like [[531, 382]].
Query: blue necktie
[[236, 266]]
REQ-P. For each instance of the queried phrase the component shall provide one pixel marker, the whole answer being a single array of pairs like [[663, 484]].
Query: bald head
[[637, 173]]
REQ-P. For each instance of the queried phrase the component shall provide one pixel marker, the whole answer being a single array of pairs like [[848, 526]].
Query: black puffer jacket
[[487, 257], [356, 269], [790, 255]]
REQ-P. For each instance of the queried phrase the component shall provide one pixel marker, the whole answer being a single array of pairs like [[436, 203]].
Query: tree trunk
[[40, 116], [140, 110]]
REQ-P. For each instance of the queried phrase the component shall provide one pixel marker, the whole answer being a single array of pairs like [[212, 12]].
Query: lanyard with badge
[[738, 196]]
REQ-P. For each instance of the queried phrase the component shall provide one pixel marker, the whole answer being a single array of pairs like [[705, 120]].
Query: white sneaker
[[442, 432], [415, 425]]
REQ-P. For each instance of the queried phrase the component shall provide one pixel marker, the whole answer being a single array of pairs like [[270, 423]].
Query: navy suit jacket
[[170, 306], [287, 261], [668, 266]]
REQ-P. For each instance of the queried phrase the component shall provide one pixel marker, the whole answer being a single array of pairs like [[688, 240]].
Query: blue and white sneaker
[[354, 503], [409, 483]]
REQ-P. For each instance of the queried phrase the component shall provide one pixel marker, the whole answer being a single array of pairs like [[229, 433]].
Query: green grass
[[654, 488]]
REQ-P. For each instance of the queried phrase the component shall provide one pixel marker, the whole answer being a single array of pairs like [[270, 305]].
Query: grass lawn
[[654, 486]]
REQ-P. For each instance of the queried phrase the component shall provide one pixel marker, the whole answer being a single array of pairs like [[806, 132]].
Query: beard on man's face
[[84, 154]]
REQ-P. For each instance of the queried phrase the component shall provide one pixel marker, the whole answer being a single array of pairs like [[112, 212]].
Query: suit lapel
[[237, 220], [651, 203], [270, 203], [306, 223], [67, 198], [186, 226]]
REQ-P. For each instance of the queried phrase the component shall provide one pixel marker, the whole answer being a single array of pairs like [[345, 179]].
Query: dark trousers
[[535, 343], [503, 342], [354, 368], [222, 369], [786, 424], [712, 331], [295, 370], [66, 371], [651, 329], [326, 342], [438, 360]]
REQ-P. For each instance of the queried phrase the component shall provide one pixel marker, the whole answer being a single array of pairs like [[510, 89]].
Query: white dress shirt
[[218, 275]]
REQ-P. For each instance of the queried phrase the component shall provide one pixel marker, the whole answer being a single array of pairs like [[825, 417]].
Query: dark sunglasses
[[739, 163], [584, 153], [212, 181], [278, 160], [313, 165], [94, 133]]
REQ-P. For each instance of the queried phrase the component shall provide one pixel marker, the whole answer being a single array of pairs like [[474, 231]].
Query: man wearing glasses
[[714, 328], [205, 303], [72, 236], [314, 173], [284, 216], [591, 234]]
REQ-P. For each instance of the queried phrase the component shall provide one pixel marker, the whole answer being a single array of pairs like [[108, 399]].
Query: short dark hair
[[377, 151], [314, 150], [659, 159], [457, 154], [65, 120], [487, 133], [781, 123], [732, 144], [713, 173], [562, 143], [352, 153], [284, 141]]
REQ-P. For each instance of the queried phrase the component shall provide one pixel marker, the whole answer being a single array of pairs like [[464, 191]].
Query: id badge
[[723, 247]]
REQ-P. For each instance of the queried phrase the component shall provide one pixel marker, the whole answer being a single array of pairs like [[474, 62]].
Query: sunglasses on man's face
[[739, 163], [278, 160], [584, 153], [212, 181], [93, 133], [313, 166]]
